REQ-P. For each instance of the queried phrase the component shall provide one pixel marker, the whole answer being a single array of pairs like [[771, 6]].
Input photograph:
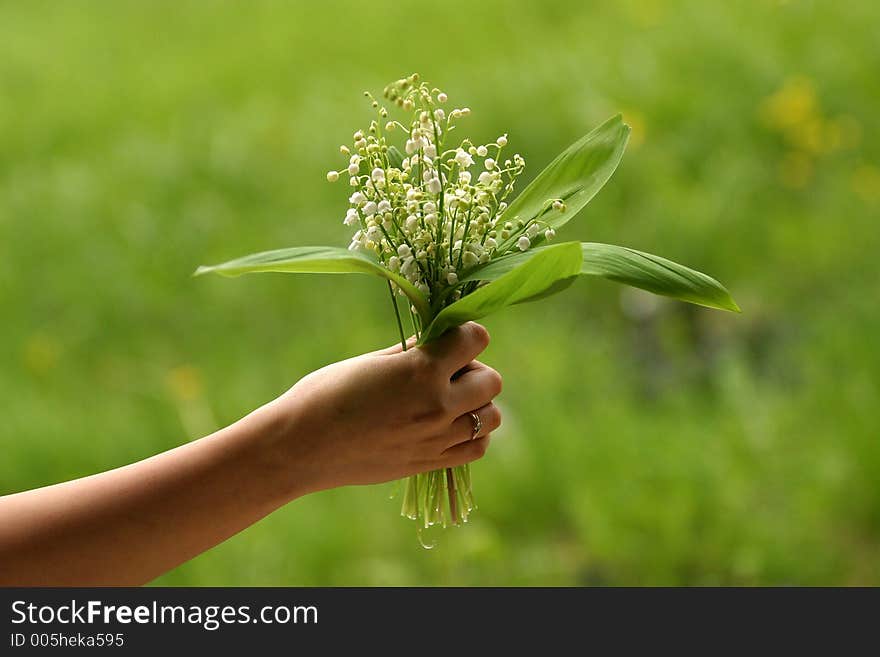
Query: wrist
[[275, 451]]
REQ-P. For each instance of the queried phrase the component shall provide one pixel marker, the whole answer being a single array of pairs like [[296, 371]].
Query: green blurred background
[[644, 442]]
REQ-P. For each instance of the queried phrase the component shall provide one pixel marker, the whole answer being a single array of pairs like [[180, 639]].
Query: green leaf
[[575, 176], [526, 282], [395, 157], [630, 267], [319, 260], [655, 274]]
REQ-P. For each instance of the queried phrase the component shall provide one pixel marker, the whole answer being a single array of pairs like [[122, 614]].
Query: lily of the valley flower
[[423, 210]]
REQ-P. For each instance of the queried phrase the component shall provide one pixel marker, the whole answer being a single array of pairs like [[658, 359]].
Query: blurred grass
[[645, 443]]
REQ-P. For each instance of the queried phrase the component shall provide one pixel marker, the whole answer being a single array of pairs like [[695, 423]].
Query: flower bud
[[463, 158]]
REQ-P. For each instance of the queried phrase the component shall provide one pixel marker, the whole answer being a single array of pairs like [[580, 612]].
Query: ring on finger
[[476, 424]]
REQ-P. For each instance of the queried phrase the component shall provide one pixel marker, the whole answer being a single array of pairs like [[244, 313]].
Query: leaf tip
[[203, 269], [727, 303], [618, 118]]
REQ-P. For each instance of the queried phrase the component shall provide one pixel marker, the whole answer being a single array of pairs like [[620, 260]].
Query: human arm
[[369, 419]]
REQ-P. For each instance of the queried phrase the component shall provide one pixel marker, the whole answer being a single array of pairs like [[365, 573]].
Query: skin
[[370, 419]]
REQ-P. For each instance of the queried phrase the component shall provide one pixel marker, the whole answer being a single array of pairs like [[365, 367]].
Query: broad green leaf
[[319, 259], [655, 274], [575, 176], [526, 282], [630, 267], [495, 269]]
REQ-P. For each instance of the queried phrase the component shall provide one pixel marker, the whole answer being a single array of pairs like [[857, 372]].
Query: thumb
[[397, 348]]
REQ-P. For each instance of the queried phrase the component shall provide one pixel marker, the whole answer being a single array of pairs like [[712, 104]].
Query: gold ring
[[476, 424]]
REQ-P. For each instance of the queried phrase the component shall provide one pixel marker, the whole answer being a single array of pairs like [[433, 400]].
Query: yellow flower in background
[[865, 183], [794, 112], [636, 121], [793, 104], [184, 382], [40, 353], [646, 13], [810, 136]]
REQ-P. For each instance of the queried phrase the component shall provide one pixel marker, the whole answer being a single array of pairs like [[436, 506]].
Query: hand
[[379, 416], [388, 414]]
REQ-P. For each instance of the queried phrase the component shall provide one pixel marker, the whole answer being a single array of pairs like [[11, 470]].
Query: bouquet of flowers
[[437, 219]]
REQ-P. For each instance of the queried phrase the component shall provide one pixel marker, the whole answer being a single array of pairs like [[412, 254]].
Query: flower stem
[[450, 489], [397, 315]]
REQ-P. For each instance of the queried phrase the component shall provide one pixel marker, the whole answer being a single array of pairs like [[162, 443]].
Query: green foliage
[[395, 157], [318, 260], [521, 283], [575, 176], [630, 267], [654, 274]]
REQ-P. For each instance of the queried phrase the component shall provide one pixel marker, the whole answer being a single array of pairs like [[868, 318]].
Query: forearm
[[129, 525], [369, 419]]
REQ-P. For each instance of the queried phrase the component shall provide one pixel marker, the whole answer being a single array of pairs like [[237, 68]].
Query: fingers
[[464, 453], [473, 365], [458, 347], [478, 386], [462, 428]]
